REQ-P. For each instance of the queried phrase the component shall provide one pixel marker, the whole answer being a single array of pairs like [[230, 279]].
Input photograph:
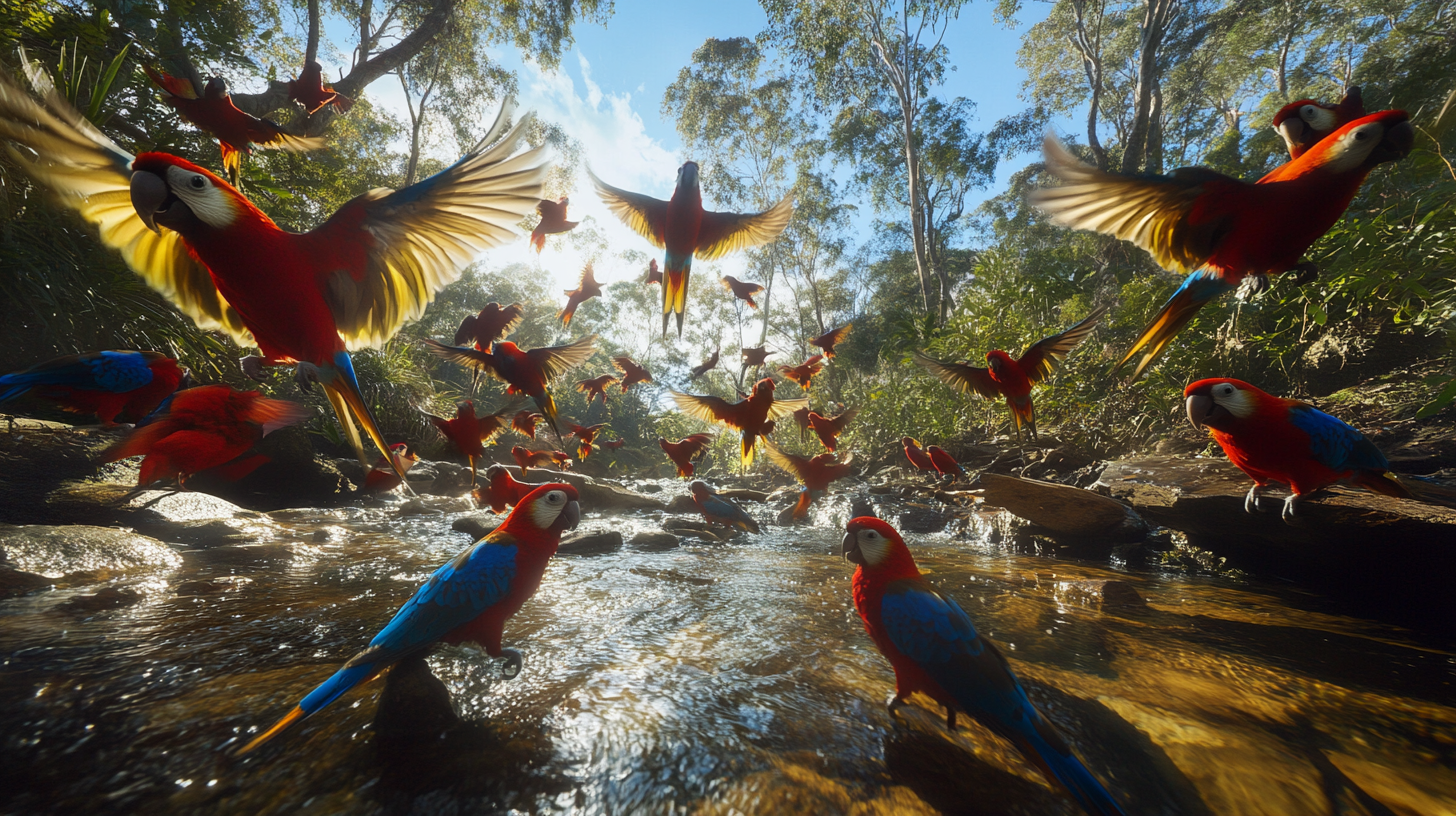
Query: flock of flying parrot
[[308, 299]]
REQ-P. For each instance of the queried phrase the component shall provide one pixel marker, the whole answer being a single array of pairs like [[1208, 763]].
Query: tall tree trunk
[[1089, 45], [1156, 16], [1155, 132]]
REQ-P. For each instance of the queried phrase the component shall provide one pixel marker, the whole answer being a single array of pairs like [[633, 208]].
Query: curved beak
[[851, 550], [572, 514], [149, 196], [1199, 406], [1292, 129], [1397, 143]]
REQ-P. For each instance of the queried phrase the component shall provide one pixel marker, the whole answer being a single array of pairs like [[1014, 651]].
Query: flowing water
[[729, 678]]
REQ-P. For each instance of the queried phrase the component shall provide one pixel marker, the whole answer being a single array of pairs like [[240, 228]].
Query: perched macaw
[[1010, 378], [815, 473], [801, 418], [585, 436], [467, 600], [310, 91], [382, 477], [944, 463], [469, 433], [632, 373], [1274, 439], [743, 290], [1219, 228], [204, 428], [828, 429], [719, 510], [753, 415], [587, 289], [501, 490], [524, 423], [524, 372], [236, 132], [686, 451], [708, 365], [116, 386], [596, 387], [828, 340], [654, 275], [683, 228], [493, 323], [919, 458], [803, 373], [1304, 123], [553, 222], [935, 650], [755, 357], [528, 459], [302, 298]]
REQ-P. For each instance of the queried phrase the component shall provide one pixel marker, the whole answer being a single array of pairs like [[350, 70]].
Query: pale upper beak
[[851, 550], [1199, 406], [572, 513]]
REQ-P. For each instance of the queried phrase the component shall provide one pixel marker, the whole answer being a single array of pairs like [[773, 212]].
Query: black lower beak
[[150, 196], [851, 550], [572, 514], [1397, 143]]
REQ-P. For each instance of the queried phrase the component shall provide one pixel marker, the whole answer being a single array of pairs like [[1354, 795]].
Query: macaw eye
[[197, 182], [870, 535], [555, 497], [1360, 135], [1307, 111], [1224, 390]]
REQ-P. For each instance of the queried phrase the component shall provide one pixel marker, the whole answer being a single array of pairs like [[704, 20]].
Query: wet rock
[[1064, 510], [190, 518], [477, 525], [682, 505], [1106, 596], [108, 598], [593, 543], [450, 479], [862, 507], [596, 496], [1387, 557], [744, 494], [652, 541], [918, 518], [414, 703], [650, 488], [14, 582], [430, 505], [55, 551], [700, 529]]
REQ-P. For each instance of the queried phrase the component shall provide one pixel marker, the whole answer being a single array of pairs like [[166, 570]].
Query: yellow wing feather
[[724, 233]]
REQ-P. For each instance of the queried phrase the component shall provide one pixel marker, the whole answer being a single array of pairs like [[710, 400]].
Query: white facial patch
[[1353, 147], [547, 508], [1320, 119], [873, 546], [1233, 399], [211, 205]]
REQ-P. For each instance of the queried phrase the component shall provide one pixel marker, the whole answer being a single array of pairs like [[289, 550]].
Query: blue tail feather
[[1074, 776], [337, 686]]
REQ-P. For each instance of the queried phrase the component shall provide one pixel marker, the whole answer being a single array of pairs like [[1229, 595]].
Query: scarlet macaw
[[803, 373], [524, 423], [382, 478], [944, 463], [584, 291], [595, 387], [302, 298], [1010, 378], [935, 649], [202, 429], [632, 373], [524, 372], [528, 459], [553, 222], [493, 323], [469, 433], [753, 416], [654, 275], [801, 418], [613, 444], [310, 91], [116, 386], [828, 340], [468, 599], [683, 228], [1274, 439], [1221, 229], [708, 365], [719, 510], [585, 436], [828, 429], [686, 451], [919, 458], [236, 132], [815, 473], [1304, 123], [755, 357], [501, 490], [743, 290]]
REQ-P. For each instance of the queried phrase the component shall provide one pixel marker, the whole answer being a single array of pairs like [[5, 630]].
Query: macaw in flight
[[828, 429], [493, 323], [814, 473], [754, 415], [524, 423], [596, 387], [803, 373], [587, 289], [553, 222], [707, 365], [523, 372], [686, 451], [632, 373], [310, 91], [116, 386], [743, 290], [828, 340], [585, 436], [527, 459], [470, 433], [654, 274], [1304, 123]]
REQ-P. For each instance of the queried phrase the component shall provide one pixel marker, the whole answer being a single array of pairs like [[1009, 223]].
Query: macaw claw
[[1251, 501], [1291, 511], [514, 660]]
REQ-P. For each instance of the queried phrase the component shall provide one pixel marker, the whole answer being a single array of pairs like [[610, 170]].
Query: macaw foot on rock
[[514, 660], [1291, 509], [1255, 285], [1251, 501], [253, 368]]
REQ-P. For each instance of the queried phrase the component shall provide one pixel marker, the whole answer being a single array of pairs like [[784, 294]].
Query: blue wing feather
[[114, 371], [1334, 443]]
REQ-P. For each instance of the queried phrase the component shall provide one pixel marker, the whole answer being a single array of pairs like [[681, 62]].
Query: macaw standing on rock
[[236, 132], [754, 416], [469, 433], [632, 373], [587, 289], [527, 459], [683, 228], [1283, 440], [828, 340], [310, 91], [468, 599], [1221, 229], [686, 451], [1011, 378], [381, 478], [208, 427], [828, 429], [803, 373], [1303, 124], [718, 510], [553, 222], [304, 299], [935, 649], [116, 386], [743, 290], [919, 458], [501, 490], [815, 474], [523, 372], [945, 464]]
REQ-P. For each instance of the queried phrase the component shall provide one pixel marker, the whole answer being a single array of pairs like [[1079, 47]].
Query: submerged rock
[[700, 529], [653, 541], [598, 542], [55, 551], [108, 598], [182, 517], [477, 525]]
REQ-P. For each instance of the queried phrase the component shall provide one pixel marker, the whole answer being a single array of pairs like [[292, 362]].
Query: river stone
[[744, 494], [682, 505], [477, 525], [653, 541], [649, 488], [1104, 595], [104, 599], [414, 703], [921, 519], [14, 582], [596, 496], [190, 518], [598, 542], [54, 551], [1064, 510], [700, 529]]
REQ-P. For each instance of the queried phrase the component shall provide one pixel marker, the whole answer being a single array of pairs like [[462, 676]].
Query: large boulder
[[57, 551], [188, 518], [1063, 510]]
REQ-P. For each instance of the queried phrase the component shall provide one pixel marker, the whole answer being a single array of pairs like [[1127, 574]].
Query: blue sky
[[608, 94]]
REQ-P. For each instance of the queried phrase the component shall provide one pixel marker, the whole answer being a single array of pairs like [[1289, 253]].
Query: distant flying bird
[[469, 433], [1274, 439], [524, 372], [803, 373], [501, 490], [801, 418], [815, 473], [755, 357], [632, 373], [742, 290], [310, 91], [1221, 229], [828, 429], [919, 458], [1303, 124], [116, 386], [753, 416], [587, 289], [654, 275], [708, 365], [528, 459], [595, 387], [524, 423], [493, 323], [683, 228], [1010, 378], [585, 436], [685, 452], [553, 222], [718, 510], [382, 478], [828, 340], [236, 132]]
